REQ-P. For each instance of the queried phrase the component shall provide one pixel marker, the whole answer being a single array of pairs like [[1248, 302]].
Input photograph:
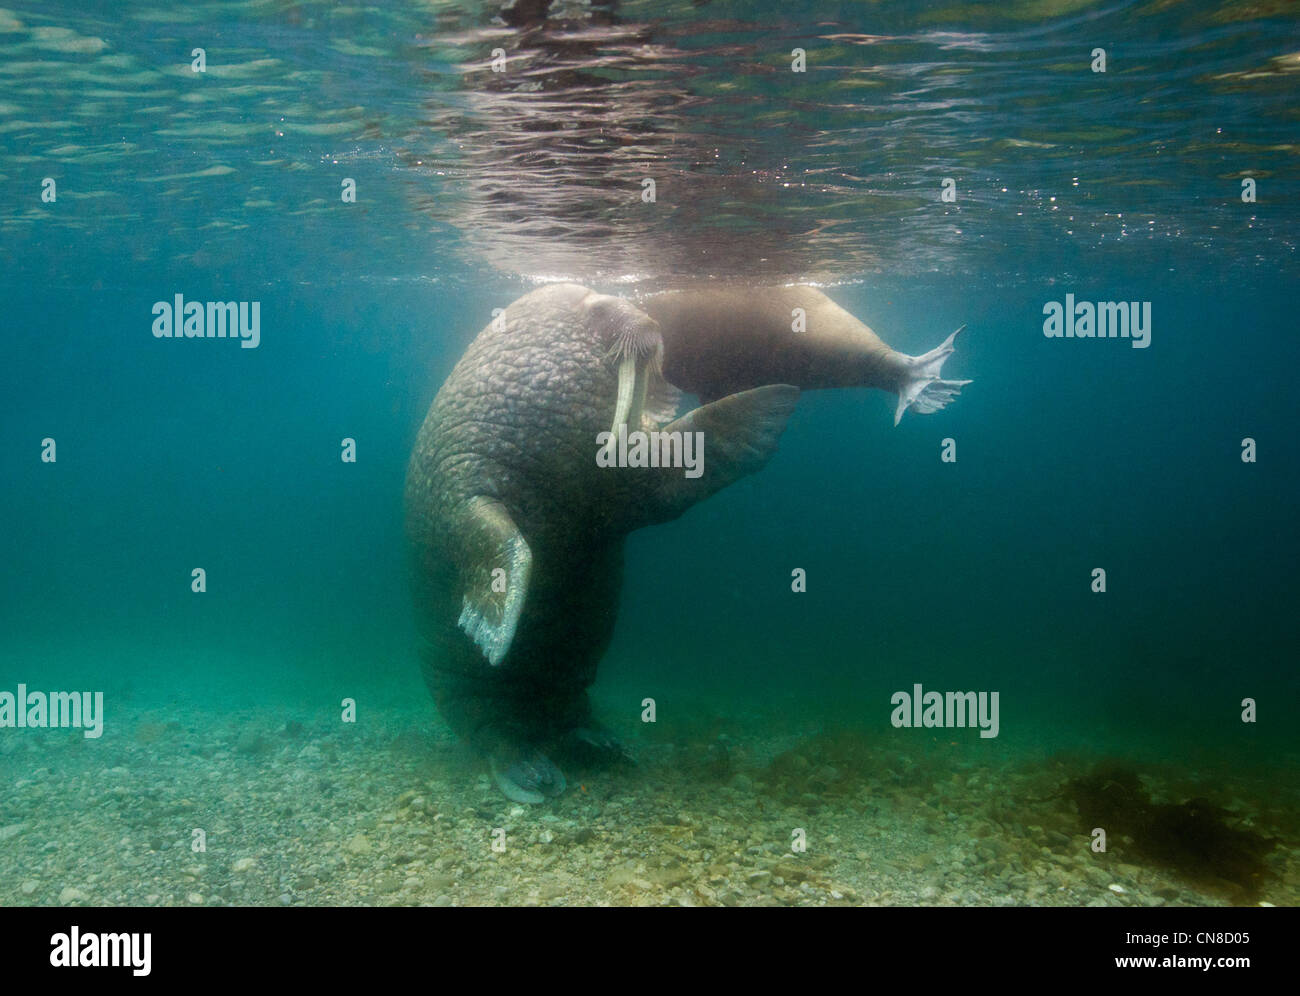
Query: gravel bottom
[[301, 812]]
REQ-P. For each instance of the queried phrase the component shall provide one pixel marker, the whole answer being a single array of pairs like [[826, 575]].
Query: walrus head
[[635, 347]]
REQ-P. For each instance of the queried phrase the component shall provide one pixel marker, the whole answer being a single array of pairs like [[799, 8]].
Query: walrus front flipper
[[530, 777], [595, 747], [493, 563], [921, 389], [731, 438]]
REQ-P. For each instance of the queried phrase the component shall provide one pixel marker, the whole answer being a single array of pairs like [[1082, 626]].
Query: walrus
[[517, 520]]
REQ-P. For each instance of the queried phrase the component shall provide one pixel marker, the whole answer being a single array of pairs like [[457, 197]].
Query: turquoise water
[[473, 187]]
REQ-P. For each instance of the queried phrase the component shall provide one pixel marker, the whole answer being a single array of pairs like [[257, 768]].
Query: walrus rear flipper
[[922, 390], [739, 434], [493, 563]]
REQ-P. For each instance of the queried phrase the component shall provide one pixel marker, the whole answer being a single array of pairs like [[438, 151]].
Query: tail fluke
[[922, 390]]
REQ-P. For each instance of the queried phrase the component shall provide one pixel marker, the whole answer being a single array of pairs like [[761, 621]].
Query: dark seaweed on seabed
[[1195, 839]]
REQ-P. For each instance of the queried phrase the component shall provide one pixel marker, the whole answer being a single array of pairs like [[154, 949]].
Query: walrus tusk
[[627, 389], [632, 386]]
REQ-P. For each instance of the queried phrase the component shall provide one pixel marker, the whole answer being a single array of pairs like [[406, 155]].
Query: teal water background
[[975, 575]]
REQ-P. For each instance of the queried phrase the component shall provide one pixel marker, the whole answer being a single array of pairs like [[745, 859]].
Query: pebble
[[71, 894], [195, 897], [30, 886], [243, 864], [359, 844], [1117, 888]]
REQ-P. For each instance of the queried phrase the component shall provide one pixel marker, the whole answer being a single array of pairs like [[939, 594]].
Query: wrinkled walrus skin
[[518, 534]]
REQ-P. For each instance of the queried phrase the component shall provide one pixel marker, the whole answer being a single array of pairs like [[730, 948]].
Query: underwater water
[[367, 179]]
